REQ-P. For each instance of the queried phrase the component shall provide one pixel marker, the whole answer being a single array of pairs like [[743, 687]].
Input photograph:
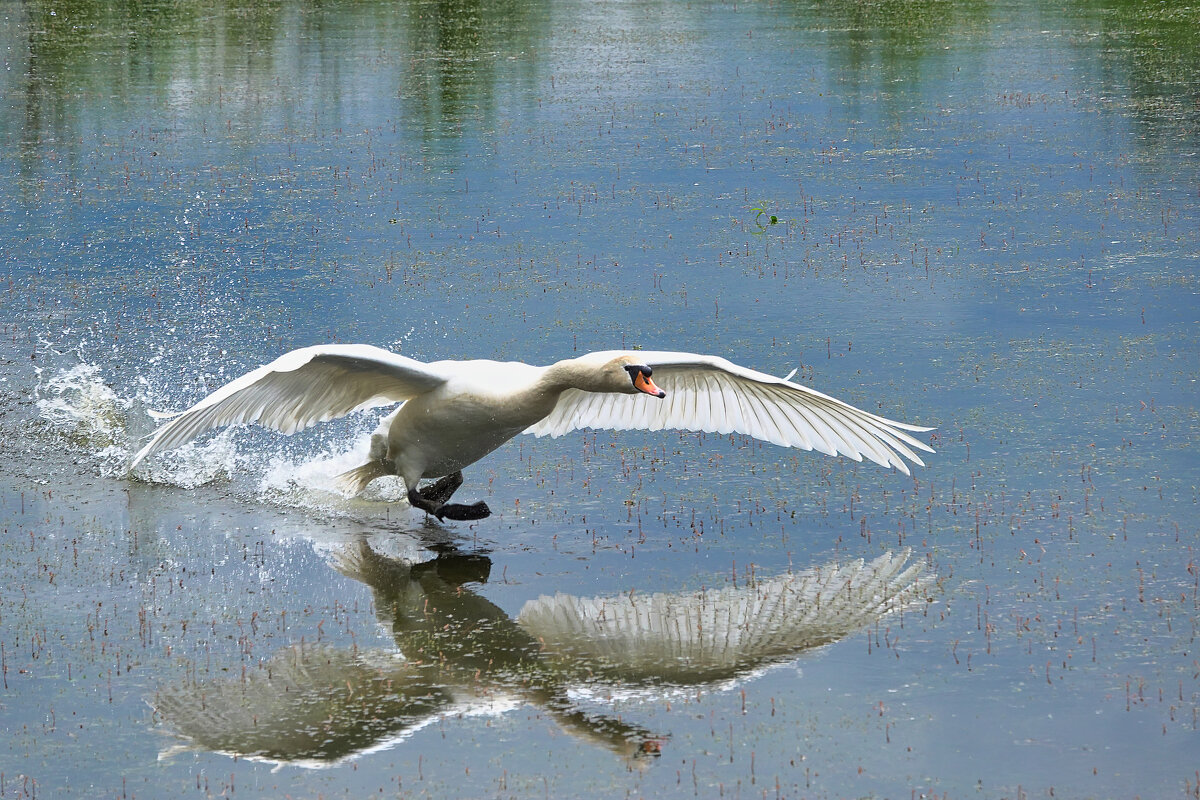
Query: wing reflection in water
[[715, 635], [458, 652]]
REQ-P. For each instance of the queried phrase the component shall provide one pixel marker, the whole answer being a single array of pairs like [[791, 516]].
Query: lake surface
[[983, 217]]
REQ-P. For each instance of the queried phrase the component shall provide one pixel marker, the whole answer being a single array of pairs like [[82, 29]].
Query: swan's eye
[[635, 369]]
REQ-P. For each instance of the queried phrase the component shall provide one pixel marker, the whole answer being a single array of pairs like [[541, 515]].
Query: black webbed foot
[[463, 512], [432, 501]]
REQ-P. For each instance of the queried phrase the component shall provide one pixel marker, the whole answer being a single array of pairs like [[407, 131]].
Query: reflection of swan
[[715, 634], [457, 650], [308, 703], [456, 412]]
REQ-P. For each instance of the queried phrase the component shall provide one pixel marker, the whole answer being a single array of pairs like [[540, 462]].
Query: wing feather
[[645, 417], [824, 443], [800, 434], [300, 388], [771, 420], [708, 393], [898, 441], [687, 399], [851, 444], [726, 399], [761, 426], [698, 399]]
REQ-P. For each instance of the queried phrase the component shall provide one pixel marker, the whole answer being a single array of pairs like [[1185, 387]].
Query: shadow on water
[[457, 652]]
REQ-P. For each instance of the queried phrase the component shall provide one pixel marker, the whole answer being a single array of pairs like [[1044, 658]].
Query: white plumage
[[708, 393], [456, 412], [313, 384]]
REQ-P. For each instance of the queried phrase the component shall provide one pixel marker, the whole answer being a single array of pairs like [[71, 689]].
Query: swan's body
[[456, 412]]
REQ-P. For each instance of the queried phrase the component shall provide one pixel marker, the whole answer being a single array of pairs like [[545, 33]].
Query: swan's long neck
[[572, 373]]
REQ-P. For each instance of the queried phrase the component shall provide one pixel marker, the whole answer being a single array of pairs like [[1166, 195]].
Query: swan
[[454, 413]]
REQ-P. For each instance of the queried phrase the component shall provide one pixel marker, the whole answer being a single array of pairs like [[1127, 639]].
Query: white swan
[[456, 412]]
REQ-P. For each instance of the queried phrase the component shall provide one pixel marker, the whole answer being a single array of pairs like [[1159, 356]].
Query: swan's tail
[[354, 481]]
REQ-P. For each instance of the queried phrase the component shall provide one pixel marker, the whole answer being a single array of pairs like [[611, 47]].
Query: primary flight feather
[[453, 413]]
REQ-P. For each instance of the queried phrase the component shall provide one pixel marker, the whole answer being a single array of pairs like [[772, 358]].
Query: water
[[986, 220]]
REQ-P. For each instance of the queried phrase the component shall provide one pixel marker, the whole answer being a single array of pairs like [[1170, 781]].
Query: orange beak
[[642, 383]]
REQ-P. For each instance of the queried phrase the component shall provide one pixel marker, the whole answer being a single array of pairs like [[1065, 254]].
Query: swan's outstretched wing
[[313, 384], [716, 634], [707, 393]]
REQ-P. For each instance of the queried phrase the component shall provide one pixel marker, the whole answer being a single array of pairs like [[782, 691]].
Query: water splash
[[307, 479], [78, 409], [79, 406], [104, 427], [195, 464]]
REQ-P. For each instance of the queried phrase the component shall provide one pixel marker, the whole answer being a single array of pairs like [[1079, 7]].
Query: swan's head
[[639, 377], [612, 372], [627, 375]]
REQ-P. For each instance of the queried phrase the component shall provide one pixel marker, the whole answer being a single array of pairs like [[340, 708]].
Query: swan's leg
[[417, 501], [431, 501], [440, 490]]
